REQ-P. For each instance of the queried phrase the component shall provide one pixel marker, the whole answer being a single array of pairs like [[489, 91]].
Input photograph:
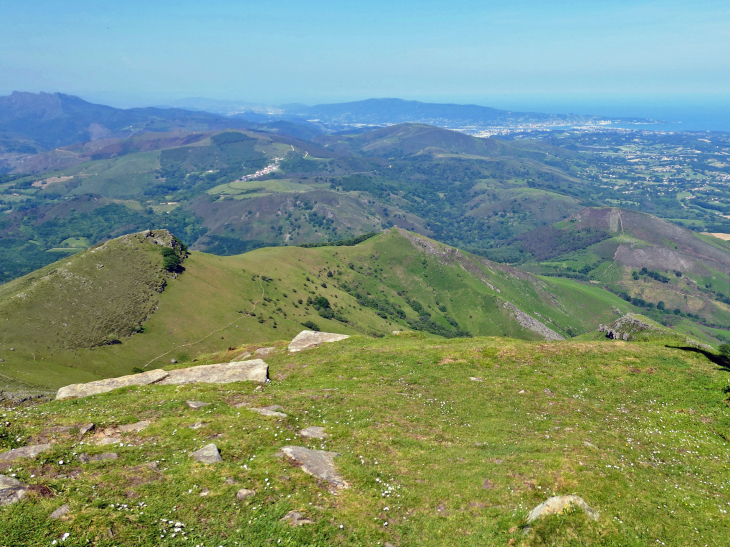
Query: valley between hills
[[499, 324]]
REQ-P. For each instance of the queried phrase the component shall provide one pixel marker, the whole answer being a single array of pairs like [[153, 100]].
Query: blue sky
[[507, 54]]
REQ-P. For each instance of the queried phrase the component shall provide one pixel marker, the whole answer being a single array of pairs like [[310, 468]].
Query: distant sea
[[691, 114]]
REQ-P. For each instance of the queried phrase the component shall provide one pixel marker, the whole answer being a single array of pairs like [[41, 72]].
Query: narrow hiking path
[[190, 344]]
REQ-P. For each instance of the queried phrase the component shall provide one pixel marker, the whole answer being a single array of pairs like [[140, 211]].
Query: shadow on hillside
[[719, 360]]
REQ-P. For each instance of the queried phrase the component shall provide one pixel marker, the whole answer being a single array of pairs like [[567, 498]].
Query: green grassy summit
[[443, 443], [100, 313]]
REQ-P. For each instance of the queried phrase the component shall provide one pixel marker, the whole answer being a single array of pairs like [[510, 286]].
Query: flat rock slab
[[24, 452], [255, 370], [318, 463], [310, 339], [558, 505], [11, 490], [60, 512], [313, 432], [104, 441], [208, 454], [195, 405], [263, 352], [273, 410], [133, 428], [295, 518], [104, 386]]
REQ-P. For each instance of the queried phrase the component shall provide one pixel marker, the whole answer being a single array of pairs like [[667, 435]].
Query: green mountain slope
[[443, 444], [393, 281], [644, 258]]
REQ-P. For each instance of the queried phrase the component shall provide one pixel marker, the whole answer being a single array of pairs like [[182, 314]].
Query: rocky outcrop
[[254, 370], [558, 505], [310, 339], [11, 490], [531, 323], [24, 452], [318, 463], [625, 326]]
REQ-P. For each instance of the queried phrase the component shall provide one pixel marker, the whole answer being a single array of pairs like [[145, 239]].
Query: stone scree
[[255, 370]]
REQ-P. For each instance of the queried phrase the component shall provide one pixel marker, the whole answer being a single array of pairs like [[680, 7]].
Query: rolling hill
[[643, 258], [101, 312]]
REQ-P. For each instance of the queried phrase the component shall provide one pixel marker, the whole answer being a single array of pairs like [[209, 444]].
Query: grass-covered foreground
[[433, 456]]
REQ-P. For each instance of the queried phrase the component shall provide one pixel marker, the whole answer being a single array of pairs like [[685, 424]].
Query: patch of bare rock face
[[24, 452], [310, 339], [559, 504], [254, 370], [318, 463], [11, 490], [531, 323]]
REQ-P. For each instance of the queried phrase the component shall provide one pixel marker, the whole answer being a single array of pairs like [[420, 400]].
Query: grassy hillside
[[396, 280], [443, 443], [675, 275]]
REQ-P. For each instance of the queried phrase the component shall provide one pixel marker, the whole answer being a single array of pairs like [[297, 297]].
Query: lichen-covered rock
[[318, 463], [24, 452], [559, 504], [244, 494], [254, 370], [11, 490], [208, 454], [313, 432], [309, 339], [104, 386]]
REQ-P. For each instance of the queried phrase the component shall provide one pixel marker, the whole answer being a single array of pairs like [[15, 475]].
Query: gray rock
[[84, 429], [295, 518], [104, 441], [196, 404], [559, 504], [590, 445], [309, 339], [208, 454], [24, 452], [313, 432], [204, 492], [244, 494], [133, 428], [104, 386], [475, 379], [263, 352], [60, 512], [272, 410], [318, 463], [197, 425], [173, 361], [254, 370], [11, 490]]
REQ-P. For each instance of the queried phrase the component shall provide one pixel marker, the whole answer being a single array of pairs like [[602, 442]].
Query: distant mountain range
[[375, 112], [31, 122], [392, 111]]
